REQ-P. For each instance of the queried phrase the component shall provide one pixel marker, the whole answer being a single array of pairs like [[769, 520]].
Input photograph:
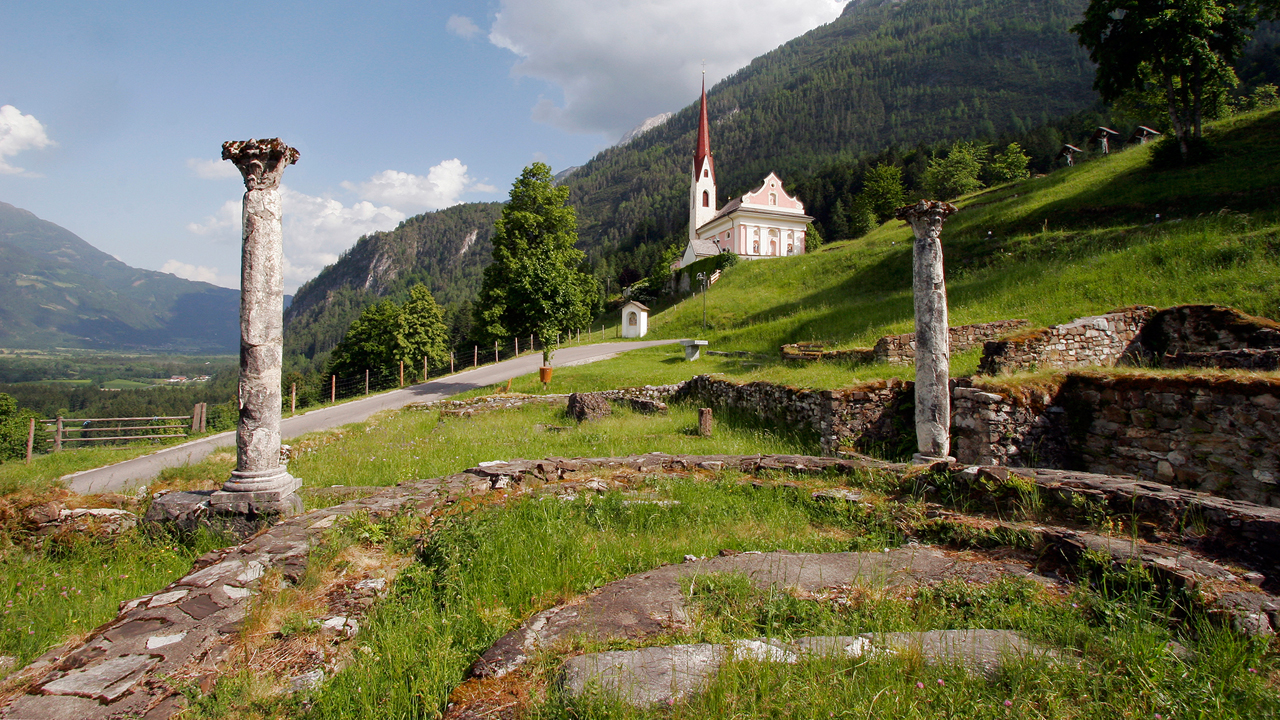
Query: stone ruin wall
[[1221, 437], [1100, 340], [901, 349], [1178, 337], [1215, 435]]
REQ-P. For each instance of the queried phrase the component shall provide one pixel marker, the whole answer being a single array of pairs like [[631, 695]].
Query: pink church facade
[[763, 223]]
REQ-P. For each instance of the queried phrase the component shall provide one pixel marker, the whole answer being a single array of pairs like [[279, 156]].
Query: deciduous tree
[[1010, 164], [1186, 48], [535, 284], [955, 174]]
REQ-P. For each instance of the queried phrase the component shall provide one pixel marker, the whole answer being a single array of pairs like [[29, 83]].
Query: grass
[[423, 444], [67, 588], [1078, 242], [481, 572]]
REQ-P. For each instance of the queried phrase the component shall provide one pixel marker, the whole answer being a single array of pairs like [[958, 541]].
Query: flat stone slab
[[105, 681], [644, 677], [649, 603], [662, 675], [979, 651]]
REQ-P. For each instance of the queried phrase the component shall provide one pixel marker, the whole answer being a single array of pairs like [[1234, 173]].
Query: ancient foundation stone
[[588, 406]]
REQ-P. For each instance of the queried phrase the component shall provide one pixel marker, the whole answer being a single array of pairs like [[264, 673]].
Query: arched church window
[[773, 198], [706, 199], [791, 249], [755, 247], [773, 247], [706, 173]]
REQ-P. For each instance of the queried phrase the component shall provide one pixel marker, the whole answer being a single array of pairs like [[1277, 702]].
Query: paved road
[[114, 478]]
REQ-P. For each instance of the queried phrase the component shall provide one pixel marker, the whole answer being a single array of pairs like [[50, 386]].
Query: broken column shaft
[[933, 344], [260, 484]]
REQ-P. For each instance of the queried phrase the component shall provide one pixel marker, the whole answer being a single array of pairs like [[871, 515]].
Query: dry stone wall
[[1219, 436], [1098, 340], [1214, 434], [901, 349], [1181, 336]]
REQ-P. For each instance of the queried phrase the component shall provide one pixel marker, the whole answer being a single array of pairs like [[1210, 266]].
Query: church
[[764, 223]]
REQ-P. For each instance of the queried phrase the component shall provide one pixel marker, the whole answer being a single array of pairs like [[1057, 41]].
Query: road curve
[[114, 478]]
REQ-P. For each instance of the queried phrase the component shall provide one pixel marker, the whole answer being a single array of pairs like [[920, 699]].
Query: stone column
[[933, 346], [260, 484]]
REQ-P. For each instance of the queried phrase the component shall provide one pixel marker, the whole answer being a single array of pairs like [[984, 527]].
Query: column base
[[918, 459], [272, 492]]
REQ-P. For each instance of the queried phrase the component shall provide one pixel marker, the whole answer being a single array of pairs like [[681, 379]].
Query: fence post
[[195, 418], [531, 347], [366, 381], [401, 373], [475, 362], [333, 388], [31, 439], [293, 398], [450, 362], [424, 368], [57, 436], [495, 351], [517, 347]]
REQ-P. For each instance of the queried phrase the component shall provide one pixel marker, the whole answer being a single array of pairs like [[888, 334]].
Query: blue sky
[[112, 114]]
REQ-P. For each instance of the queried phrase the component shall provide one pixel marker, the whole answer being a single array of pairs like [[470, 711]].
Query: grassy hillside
[[1080, 241]]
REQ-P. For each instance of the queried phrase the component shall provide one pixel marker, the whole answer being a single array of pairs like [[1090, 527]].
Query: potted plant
[[548, 347]]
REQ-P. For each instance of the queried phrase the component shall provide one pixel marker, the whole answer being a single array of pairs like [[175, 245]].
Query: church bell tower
[[702, 189]]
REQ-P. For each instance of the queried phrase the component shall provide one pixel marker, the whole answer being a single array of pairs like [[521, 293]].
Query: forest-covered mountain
[[887, 72], [445, 250], [58, 290]]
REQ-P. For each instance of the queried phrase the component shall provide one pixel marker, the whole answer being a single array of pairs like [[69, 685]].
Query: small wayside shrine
[[635, 320], [764, 223]]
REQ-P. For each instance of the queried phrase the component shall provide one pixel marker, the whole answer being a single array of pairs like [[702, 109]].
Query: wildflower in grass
[[1008, 703], [941, 682], [920, 685]]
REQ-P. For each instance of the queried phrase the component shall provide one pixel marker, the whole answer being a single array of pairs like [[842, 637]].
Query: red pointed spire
[[703, 149]]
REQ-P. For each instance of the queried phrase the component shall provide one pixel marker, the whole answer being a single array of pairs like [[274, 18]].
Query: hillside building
[[764, 223], [635, 320]]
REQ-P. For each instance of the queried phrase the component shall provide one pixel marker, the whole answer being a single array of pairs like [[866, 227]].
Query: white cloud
[[462, 26], [19, 132], [213, 169], [199, 273], [224, 225], [317, 230], [442, 186], [619, 63]]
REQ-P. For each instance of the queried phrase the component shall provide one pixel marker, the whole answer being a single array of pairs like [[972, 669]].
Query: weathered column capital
[[261, 162], [925, 214]]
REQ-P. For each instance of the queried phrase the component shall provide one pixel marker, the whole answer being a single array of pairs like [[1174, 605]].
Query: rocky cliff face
[[445, 250]]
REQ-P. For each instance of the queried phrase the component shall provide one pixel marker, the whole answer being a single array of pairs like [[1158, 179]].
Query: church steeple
[[703, 149], [702, 188]]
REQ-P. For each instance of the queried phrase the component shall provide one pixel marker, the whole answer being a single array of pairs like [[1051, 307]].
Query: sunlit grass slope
[[1108, 233]]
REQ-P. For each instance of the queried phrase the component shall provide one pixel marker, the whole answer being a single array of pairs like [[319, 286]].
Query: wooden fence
[[69, 430]]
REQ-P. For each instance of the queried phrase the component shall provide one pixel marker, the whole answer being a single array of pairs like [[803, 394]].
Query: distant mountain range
[[56, 290]]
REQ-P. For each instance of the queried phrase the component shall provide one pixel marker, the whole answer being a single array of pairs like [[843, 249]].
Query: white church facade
[[764, 223]]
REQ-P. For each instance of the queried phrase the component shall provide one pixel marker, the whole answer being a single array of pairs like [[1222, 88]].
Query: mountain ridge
[[56, 289]]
